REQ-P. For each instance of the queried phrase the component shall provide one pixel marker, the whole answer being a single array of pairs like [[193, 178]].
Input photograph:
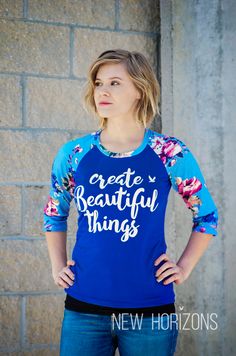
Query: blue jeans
[[100, 335]]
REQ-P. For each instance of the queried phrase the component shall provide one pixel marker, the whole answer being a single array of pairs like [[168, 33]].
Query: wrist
[[186, 271], [57, 268]]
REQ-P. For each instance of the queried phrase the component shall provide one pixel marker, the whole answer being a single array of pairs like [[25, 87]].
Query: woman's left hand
[[169, 268]]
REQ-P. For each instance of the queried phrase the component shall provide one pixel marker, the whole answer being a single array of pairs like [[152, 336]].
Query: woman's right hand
[[65, 277]]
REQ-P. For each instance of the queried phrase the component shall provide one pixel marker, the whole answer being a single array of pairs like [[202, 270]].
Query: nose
[[103, 90]]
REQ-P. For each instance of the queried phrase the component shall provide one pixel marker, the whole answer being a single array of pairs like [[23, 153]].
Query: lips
[[104, 103]]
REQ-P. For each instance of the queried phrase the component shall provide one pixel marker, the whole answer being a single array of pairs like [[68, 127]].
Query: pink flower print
[[170, 149], [156, 143], [51, 207], [187, 188], [166, 150]]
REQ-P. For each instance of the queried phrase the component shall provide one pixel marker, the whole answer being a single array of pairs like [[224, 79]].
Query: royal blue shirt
[[121, 200]]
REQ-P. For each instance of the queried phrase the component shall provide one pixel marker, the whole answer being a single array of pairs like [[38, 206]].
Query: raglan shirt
[[121, 200]]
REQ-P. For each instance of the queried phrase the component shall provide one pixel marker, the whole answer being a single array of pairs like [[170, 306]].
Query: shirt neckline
[[111, 154]]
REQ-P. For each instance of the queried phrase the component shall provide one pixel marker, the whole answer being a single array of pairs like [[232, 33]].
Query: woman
[[119, 283]]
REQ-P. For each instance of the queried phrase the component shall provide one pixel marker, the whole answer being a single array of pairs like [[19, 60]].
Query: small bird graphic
[[152, 180]]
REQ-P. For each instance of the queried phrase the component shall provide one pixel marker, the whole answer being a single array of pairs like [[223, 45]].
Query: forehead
[[109, 70]]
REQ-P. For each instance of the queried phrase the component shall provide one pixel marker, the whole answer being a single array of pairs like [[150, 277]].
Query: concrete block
[[140, 15], [10, 98], [100, 41], [26, 266], [10, 321], [34, 47], [57, 103], [10, 218], [90, 13], [28, 155], [11, 8], [44, 315]]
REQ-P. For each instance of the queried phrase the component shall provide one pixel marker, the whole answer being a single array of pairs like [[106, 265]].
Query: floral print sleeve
[[187, 180], [56, 210]]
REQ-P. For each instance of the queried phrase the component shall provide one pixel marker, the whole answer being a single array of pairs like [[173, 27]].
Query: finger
[[70, 263], [163, 257], [61, 283], [175, 277], [165, 274], [164, 267], [66, 278], [68, 271]]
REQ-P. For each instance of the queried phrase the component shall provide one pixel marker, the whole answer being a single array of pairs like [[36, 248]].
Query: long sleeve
[[187, 179], [56, 211]]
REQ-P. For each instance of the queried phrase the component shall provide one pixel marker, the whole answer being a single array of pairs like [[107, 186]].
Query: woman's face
[[113, 85]]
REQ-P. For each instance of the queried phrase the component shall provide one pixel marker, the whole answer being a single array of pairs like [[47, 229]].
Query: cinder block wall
[[46, 47]]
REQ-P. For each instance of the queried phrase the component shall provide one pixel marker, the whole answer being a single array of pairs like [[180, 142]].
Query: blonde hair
[[142, 76]]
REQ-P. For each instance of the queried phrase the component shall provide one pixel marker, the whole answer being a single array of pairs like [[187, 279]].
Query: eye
[[97, 83]]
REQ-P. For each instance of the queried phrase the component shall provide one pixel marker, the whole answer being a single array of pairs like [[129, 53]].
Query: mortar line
[[25, 9], [117, 14], [79, 26], [71, 51], [23, 322]]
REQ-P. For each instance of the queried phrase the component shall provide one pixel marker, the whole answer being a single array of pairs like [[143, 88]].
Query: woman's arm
[[192, 253], [56, 212], [188, 181], [56, 242], [180, 271]]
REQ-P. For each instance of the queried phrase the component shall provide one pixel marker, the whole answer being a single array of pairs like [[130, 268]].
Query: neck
[[123, 133]]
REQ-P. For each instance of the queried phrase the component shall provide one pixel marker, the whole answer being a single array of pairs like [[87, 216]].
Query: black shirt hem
[[83, 307]]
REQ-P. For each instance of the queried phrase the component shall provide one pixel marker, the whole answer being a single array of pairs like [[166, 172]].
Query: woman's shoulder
[[171, 149], [164, 138]]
